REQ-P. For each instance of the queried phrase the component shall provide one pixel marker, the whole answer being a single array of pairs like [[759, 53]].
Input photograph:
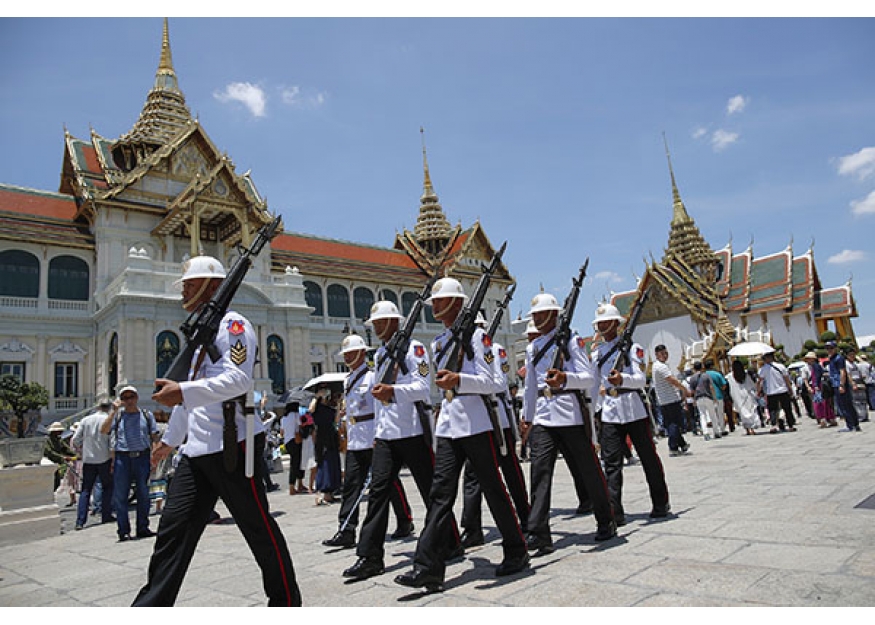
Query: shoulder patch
[[640, 353], [487, 340], [236, 327], [581, 343], [502, 353], [238, 353], [489, 357], [418, 351], [422, 368]]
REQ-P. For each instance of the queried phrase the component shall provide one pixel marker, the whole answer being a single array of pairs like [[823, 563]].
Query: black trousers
[[613, 442], [472, 494], [452, 453], [389, 457], [575, 444], [194, 490], [780, 402], [358, 464]]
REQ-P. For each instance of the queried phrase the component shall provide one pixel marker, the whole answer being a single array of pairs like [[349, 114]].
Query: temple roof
[[41, 217]]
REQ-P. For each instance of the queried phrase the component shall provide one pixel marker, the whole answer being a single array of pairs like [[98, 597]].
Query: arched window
[[112, 364], [407, 301], [276, 364], [68, 278], [338, 301], [363, 299], [20, 274], [313, 295], [388, 296], [166, 349]]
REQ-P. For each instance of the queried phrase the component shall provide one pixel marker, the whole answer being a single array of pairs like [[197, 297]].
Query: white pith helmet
[[200, 267], [607, 312], [446, 287], [384, 310], [544, 301], [352, 343], [480, 320], [531, 328]]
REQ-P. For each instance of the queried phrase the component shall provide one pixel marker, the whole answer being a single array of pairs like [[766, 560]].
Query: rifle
[[624, 345], [396, 355], [493, 328], [459, 344], [202, 325], [563, 325], [499, 312]]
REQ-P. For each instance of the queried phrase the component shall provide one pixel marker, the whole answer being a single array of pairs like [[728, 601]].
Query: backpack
[[701, 382]]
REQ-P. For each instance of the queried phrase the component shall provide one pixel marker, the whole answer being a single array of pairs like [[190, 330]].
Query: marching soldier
[[207, 469], [358, 415], [472, 495], [398, 440], [464, 431], [623, 414], [555, 405]]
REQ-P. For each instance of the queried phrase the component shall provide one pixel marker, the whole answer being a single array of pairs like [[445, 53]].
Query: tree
[[21, 397]]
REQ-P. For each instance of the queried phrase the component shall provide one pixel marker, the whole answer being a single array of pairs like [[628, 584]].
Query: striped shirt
[[666, 393]]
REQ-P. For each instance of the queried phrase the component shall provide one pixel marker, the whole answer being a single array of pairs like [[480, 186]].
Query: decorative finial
[[680, 211], [166, 62]]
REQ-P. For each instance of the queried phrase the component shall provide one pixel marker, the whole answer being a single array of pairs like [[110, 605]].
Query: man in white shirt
[[774, 384], [96, 460]]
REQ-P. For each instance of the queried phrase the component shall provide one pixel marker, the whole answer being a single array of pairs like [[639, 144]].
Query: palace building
[[87, 303], [700, 302]]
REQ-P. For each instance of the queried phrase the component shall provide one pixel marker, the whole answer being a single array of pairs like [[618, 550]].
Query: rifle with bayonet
[[493, 328], [459, 344], [624, 344], [202, 326], [395, 357]]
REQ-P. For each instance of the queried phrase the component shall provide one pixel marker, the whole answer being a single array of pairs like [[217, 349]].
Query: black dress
[[327, 449]]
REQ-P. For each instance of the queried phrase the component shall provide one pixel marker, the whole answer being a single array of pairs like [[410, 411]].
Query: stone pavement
[[767, 520]]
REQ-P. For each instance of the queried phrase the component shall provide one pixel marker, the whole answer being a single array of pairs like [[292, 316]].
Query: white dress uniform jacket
[[562, 409], [359, 403], [502, 367], [200, 417], [625, 407], [398, 418], [466, 414]]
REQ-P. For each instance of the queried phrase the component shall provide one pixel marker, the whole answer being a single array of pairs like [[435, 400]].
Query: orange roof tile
[[330, 248], [38, 203]]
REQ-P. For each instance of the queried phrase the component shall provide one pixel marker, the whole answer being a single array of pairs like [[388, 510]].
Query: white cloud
[[866, 206], [607, 276], [736, 104], [249, 95], [860, 164], [847, 256], [721, 139], [294, 97], [699, 132]]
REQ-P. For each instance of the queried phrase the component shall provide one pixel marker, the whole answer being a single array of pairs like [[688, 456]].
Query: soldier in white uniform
[[623, 414], [398, 440], [464, 431], [555, 405], [358, 415], [201, 476], [472, 495]]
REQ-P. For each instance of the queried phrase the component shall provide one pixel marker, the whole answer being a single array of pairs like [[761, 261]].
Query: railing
[[66, 304], [18, 302]]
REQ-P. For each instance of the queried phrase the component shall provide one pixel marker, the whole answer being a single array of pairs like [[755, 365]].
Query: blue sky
[[549, 131]]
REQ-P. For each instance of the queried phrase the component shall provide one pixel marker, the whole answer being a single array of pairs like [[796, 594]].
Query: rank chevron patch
[[238, 353]]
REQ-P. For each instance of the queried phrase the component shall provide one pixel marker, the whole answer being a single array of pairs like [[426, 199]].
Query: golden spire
[[432, 230], [165, 112], [684, 239], [680, 211]]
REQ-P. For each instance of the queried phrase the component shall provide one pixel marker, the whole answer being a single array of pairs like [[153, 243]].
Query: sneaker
[[684, 448], [673, 453], [846, 430], [707, 437], [146, 533], [124, 537]]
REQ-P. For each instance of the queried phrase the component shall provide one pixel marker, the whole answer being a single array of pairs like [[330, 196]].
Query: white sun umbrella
[[751, 348]]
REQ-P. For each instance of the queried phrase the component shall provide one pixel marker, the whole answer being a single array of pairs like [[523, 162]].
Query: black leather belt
[[542, 392], [133, 454], [360, 419]]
